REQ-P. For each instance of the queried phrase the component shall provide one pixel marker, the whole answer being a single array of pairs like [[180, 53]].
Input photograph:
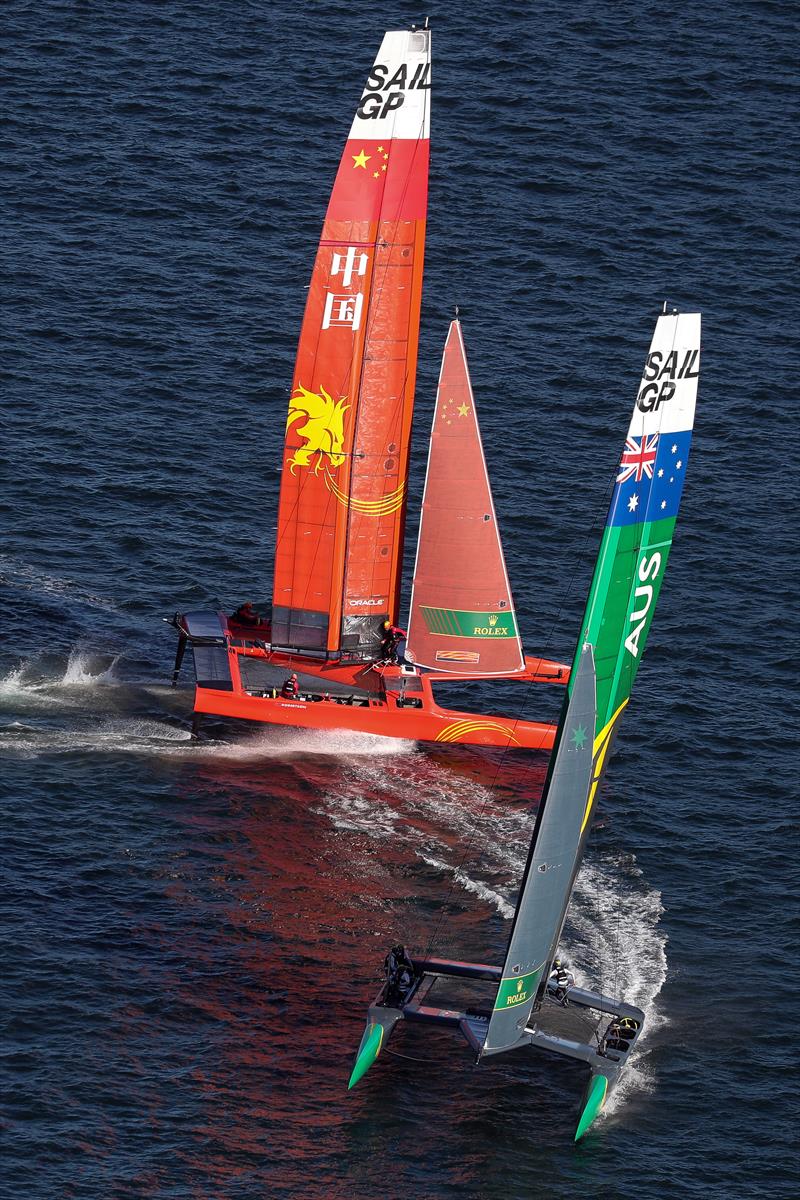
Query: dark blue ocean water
[[190, 934]]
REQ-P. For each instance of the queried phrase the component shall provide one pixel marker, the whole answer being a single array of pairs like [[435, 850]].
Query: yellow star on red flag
[[361, 159]]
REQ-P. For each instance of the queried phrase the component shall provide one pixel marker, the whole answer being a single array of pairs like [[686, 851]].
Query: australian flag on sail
[[638, 458], [650, 478]]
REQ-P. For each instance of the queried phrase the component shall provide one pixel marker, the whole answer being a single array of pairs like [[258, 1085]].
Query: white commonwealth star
[[660, 472], [663, 504], [632, 503], [675, 448], [678, 465]]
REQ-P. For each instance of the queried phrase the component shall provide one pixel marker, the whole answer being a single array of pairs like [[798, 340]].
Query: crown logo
[[493, 619], [519, 985]]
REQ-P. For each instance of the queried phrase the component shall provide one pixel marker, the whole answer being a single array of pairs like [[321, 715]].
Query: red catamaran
[[343, 497]]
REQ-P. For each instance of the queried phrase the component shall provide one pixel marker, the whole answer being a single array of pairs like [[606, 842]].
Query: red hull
[[381, 718], [385, 699]]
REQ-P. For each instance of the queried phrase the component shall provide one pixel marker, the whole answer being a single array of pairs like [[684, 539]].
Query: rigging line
[[599, 956], [578, 559], [617, 939], [407, 1057]]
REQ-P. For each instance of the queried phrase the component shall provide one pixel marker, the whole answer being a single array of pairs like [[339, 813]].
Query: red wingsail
[[343, 491], [462, 615]]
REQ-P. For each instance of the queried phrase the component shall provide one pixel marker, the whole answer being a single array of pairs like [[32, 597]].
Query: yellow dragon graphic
[[323, 431]]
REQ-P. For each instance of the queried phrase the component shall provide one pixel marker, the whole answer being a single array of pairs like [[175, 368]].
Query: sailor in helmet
[[291, 687], [393, 635], [560, 980], [246, 614]]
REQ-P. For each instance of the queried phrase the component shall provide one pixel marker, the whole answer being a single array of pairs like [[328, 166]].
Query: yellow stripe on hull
[[456, 731]]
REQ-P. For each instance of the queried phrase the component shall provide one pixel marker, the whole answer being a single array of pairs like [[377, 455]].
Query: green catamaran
[[530, 1003]]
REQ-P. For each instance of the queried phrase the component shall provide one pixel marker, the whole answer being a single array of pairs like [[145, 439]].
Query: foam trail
[[355, 814], [278, 742], [151, 738], [27, 578], [481, 890], [613, 942]]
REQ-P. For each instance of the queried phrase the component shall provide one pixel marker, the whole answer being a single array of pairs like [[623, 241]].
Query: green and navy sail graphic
[[641, 520]]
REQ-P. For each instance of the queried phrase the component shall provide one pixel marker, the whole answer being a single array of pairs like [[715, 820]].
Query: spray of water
[[612, 940], [35, 683], [88, 683]]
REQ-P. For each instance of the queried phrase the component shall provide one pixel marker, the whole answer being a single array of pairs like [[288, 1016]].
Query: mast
[[461, 608], [628, 573], [341, 513]]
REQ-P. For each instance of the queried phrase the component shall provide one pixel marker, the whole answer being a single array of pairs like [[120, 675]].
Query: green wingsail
[[636, 542], [626, 585]]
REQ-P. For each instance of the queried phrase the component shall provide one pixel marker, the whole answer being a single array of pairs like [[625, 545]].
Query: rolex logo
[[493, 619]]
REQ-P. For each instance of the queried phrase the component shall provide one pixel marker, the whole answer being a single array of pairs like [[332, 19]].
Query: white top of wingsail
[[668, 391], [395, 102]]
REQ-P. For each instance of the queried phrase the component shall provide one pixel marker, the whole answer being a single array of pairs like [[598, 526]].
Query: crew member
[[393, 635], [399, 974], [291, 688], [560, 979], [246, 614]]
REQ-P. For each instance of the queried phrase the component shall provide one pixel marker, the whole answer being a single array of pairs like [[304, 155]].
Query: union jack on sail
[[638, 458]]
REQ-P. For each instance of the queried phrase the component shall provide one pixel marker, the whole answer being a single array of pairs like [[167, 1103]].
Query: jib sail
[[462, 615]]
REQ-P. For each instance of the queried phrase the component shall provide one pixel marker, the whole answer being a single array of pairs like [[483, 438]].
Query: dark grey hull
[[595, 1029]]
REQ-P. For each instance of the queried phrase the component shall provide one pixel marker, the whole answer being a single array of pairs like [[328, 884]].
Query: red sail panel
[[462, 615], [342, 503]]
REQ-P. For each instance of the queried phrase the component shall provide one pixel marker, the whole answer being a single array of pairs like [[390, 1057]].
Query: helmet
[[387, 624]]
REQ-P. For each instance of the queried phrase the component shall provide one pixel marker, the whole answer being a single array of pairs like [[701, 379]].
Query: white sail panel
[[395, 102]]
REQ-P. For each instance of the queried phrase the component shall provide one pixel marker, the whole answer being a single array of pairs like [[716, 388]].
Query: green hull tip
[[368, 1051], [594, 1102]]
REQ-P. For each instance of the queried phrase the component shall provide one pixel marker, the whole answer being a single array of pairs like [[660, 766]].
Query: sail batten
[[462, 614], [342, 501]]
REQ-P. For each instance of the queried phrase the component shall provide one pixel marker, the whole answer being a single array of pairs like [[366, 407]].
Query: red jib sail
[[462, 615], [343, 490]]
